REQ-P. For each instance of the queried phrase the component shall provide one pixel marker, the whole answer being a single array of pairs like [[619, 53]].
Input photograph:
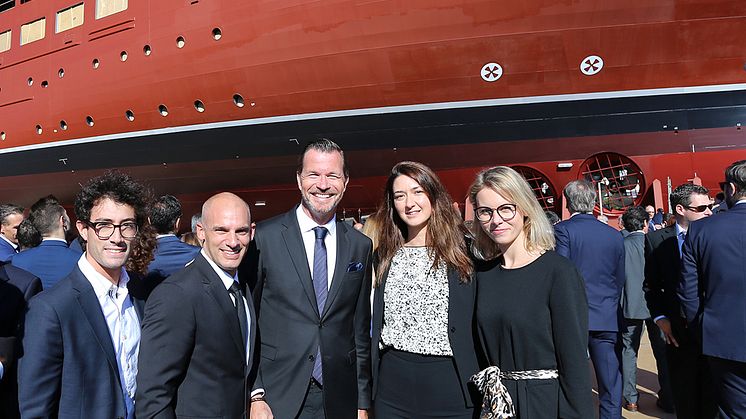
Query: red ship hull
[[388, 80]]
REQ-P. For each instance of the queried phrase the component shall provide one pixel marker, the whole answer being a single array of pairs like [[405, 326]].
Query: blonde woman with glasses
[[531, 310]]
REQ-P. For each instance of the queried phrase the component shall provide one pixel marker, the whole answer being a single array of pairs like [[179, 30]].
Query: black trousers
[[691, 383], [413, 386]]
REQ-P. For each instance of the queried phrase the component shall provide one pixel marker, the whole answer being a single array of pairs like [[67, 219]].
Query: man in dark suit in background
[[82, 336], [52, 260], [690, 381], [199, 328], [16, 288], [598, 252], [314, 279], [712, 291], [171, 254], [637, 315], [11, 216]]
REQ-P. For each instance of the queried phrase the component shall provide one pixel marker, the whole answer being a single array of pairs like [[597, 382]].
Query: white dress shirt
[[309, 241], [227, 282], [124, 326]]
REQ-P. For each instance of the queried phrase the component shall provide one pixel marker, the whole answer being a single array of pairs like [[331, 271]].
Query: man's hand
[[260, 410], [665, 325], [362, 414]]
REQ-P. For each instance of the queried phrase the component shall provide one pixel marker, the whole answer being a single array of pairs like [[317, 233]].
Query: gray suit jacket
[[633, 302], [291, 327]]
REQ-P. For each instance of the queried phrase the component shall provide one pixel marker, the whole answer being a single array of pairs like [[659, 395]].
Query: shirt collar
[[227, 279], [45, 239], [680, 229], [2, 236], [160, 236], [307, 224], [100, 284], [742, 201]]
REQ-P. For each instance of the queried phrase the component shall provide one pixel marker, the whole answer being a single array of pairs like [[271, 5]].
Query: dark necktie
[[320, 278], [235, 290]]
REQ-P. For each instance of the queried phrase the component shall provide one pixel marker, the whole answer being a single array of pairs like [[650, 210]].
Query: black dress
[[536, 317]]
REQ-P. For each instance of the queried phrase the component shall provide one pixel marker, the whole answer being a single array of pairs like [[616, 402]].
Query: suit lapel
[[297, 252], [216, 289], [92, 310], [343, 256]]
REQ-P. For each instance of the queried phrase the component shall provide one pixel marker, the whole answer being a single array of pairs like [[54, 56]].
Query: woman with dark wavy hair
[[423, 346]]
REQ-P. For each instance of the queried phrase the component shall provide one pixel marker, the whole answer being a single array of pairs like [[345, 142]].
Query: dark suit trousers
[[729, 379], [313, 404], [691, 384], [606, 353]]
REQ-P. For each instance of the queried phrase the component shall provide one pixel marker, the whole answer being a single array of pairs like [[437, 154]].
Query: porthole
[[61, 73], [130, 115], [38, 129], [217, 34], [95, 63], [2, 135], [621, 181], [30, 81], [199, 106], [63, 125], [89, 120], [238, 100], [44, 84], [147, 50], [123, 56], [180, 42], [163, 110]]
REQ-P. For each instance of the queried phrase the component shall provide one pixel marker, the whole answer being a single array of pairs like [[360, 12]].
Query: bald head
[[222, 200], [225, 230]]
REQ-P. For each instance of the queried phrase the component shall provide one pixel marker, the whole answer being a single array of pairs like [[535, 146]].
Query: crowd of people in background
[[418, 315]]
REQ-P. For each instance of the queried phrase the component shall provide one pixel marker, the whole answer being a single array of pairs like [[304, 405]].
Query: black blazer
[[68, 353], [291, 327], [662, 273], [192, 361], [461, 297], [16, 288]]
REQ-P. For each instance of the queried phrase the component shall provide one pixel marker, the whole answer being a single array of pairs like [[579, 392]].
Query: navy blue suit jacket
[[51, 261], [69, 368], [171, 255], [16, 288], [598, 252], [712, 289], [7, 252]]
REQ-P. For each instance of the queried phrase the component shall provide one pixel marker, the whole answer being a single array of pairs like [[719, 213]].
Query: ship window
[[6, 5], [33, 31], [69, 18], [109, 7], [4, 41]]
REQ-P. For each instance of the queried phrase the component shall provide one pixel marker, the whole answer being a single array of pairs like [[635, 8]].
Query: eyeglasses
[[104, 229], [699, 208], [506, 212]]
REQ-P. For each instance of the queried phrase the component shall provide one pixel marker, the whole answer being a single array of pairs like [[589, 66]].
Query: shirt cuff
[[2, 370], [658, 318], [257, 392]]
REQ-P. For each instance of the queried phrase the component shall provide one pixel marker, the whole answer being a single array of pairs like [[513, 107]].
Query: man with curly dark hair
[[83, 335]]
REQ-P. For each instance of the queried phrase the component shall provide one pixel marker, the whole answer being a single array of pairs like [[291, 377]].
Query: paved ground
[[647, 385]]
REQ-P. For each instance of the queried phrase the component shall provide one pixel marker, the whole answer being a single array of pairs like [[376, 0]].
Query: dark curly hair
[[121, 188]]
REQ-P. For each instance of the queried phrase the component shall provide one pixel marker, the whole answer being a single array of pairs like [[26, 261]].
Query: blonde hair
[[513, 187]]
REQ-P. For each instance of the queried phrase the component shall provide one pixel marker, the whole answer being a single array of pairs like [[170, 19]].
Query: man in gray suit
[[636, 314], [313, 279]]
